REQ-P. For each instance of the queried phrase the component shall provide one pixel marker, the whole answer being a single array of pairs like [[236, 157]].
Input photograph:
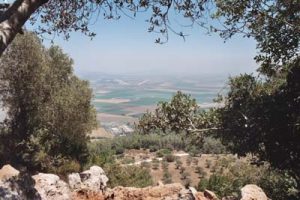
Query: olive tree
[[49, 110]]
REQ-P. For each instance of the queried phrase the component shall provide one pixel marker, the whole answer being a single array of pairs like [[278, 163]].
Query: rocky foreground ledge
[[92, 185]]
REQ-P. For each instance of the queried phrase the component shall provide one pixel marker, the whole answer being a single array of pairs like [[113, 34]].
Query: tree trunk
[[12, 20]]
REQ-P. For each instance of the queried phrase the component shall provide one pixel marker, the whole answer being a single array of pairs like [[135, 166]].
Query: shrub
[[208, 163], [213, 146], [221, 185], [167, 177], [276, 184], [201, 172], [178, 163], [155, 165], [194, 151], [161, 153], [128, 160], [165, 165], [153, 148], [203, 184], [169, 158], [182, 169], [146, 165], [195, 161], [184, 175], [188, 161], [187, 182], [65, 167], [279, 185], [127, 176]]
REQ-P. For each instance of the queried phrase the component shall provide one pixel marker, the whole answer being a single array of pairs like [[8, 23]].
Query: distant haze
[[125, 47]]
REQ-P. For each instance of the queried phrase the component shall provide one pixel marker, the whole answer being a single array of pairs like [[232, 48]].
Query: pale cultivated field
[[100, 133], [112, 100], [106, 118]]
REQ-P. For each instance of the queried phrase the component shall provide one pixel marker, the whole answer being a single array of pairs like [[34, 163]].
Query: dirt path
[[151, 159]]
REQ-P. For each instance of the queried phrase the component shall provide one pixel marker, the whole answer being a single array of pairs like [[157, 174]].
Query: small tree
[[167, 177], [178, 115], [178, 163], [200, 171], [185, 174], [195, 161], [188, 161], [182, 169]]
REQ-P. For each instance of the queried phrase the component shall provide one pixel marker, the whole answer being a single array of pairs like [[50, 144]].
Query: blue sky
[[125, 47]]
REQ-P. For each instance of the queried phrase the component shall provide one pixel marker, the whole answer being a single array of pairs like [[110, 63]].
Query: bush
[[165, 165], [187, 182], [276, 184], [167, 177], [146, 165], [213, 146], [127, 176], [201, 172], [65, 167], [128, 160], [208, 163], [221, 185], [153, 148], [155, 166], [195, 161], [194, 151], [178, 163], [161, 153], [188, 161], [279, 185], [169, 158], [182, 170], [184, 175]]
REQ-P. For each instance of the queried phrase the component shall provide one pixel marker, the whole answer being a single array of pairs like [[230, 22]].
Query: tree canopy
[[274, 24], [262, 118], [49, 110]]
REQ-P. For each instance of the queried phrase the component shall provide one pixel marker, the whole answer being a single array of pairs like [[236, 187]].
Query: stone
[[200, 196], [7, 172], [253, 192], [50, 187], [74, 181], [93, 179], [210, 195], [173, 191], [15, 185]]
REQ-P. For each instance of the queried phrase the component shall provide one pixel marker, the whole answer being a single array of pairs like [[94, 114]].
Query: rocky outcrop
[[15, 185], [210, 195], [8, 172], [93, 179], [252, 192], [170, 191], [51, 187], [91, 185]]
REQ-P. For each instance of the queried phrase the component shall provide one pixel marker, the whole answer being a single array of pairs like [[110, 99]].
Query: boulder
[[253, 192], [210, 195], [93, 179], [87, 195], [8, 172], [200, 196], [173, 191], [15, 185], [51, 187]]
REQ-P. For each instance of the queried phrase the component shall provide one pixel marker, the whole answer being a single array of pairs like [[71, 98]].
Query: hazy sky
[[125, 47]]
